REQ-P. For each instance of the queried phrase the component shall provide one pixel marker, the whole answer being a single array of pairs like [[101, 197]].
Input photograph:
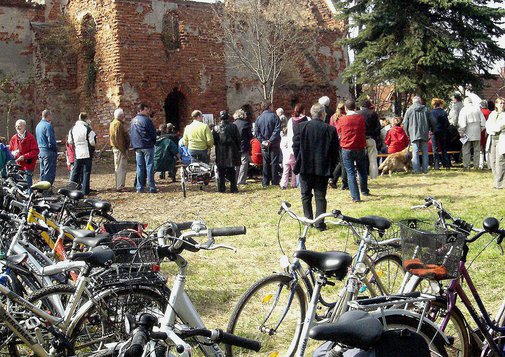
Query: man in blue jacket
[[268, 132], [48, 152], [143, 138]]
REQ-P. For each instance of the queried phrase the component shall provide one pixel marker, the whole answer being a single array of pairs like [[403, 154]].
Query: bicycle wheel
[[80, 220], [456, 329], [271, 311], [103, 321], [389, 269], [431, 335], [183, 182]]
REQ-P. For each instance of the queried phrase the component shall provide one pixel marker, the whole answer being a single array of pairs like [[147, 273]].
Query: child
[[396, 138], [288, 161]]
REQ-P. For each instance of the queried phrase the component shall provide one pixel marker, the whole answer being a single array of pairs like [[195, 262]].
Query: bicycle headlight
[[360, 268], [284, 261]]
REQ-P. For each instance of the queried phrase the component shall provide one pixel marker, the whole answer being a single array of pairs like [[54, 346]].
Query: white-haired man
[[120, 141], [329, 112], [417, 126], [471, 122], [24, 149]]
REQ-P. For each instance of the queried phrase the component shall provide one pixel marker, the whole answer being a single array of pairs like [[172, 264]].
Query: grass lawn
[[217, 279]]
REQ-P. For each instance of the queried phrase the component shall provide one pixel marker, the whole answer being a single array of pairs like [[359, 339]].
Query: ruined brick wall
[[16, 61], [493, 88]]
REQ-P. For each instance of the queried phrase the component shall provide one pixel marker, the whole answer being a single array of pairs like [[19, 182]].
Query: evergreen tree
[[423, 46]]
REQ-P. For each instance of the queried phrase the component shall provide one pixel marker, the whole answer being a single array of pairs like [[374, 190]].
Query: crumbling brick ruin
[[157, 51]]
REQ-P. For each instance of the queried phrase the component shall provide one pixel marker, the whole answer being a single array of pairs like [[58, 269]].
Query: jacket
[[184, 153], [5, 155], [26, 147], [244, 128], [119, 138], [83, 139], [373, 125], [396, 139], [256, 155], [164, 154], [315, 146], [142, 132], [440, 121], [197, 136], [416, 123], [46, 139], [227, 140], [351, 130], [454, 113], [268, 127], [471, 122]]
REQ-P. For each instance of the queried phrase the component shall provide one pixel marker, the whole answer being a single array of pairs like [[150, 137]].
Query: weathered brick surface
[[135, 67]]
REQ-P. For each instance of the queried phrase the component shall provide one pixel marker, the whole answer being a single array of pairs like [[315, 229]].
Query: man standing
[[329, 112], [83, 139], [268, 132], [227, 140], [456, 107], [120, 142], [143, 138], [351, 130], [417, 126], [198, 138], [24, 149], [314, 145], [244, 128], [471, 122], [373, 132], [48, 152]]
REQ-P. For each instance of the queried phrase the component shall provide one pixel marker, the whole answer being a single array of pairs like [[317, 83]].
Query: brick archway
[[176, 108]]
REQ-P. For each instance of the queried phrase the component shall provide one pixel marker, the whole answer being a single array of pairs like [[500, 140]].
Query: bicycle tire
[[103, 321], [456, 329], [80, 219], [260, 310], [183, 182], [397, 322], [390, 270]]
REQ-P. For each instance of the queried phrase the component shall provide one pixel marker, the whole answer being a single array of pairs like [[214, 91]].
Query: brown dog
[[396, 162]]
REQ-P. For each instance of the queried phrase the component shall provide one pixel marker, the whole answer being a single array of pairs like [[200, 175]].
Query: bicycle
[[274, 310], [196, 172], [488, 338]]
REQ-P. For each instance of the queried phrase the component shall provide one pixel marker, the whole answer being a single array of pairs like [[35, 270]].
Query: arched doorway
[[175, 108]]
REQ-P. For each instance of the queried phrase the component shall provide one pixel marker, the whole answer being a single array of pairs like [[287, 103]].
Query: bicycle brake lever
[[218, 246]]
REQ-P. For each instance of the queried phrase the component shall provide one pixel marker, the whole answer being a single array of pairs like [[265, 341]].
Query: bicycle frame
[[487, 327]]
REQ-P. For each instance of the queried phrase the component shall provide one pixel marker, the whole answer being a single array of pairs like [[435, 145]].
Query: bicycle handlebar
[[220, 336], [285, 206]]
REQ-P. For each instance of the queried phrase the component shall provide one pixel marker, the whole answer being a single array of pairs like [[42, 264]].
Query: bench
[[420, 153]]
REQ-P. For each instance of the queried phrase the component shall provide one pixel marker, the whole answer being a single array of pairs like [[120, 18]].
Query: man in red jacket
[[24, 149], [351, 129]]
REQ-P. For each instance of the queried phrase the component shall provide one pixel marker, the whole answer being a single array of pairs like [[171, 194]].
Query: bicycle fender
[[393, 312]]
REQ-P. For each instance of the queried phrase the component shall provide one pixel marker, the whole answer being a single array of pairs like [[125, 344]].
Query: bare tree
[[263, 37], [10, 98]]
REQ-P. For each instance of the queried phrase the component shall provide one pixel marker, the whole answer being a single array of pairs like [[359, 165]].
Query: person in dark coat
[[165, 151], [227, 141], [373, 132], [268, 132], [244, 128], [440, 127], [315, 144]]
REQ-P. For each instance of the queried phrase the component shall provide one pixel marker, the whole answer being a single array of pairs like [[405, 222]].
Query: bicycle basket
[[429, 251], [131, 248], [199, 172], [377, 237]]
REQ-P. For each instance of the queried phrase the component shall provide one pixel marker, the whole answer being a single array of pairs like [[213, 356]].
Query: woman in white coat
[[495, 146]]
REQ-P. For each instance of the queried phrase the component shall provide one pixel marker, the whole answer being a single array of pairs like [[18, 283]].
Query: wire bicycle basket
[[429, 251]]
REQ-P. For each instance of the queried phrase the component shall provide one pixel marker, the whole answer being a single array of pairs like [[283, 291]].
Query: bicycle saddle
[[331, 263], [79, 233], [353, 329], [72, 194], [98, 257], [98, 204], [376, 222], [94, 241]]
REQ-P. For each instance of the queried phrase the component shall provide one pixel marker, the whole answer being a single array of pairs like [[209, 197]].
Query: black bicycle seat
[[98, 257], [376, 222], [79, 233], [94, 241], [103, 206], [330, 263], [353, 329], [72, 194]]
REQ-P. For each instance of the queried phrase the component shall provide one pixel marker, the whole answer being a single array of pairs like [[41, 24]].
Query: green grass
[[217, 279]]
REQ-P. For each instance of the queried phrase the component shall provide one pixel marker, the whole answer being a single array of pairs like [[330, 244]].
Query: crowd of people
[[297, 150]]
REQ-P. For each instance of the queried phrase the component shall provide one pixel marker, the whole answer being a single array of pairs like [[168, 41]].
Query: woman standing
[[339, 169], [441, 126], [495, 146]]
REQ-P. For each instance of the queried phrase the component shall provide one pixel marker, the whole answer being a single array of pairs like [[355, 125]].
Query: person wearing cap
[[119, 141], [24, 149], [198, 138], [471, 122], [329, 112], [227, 141]]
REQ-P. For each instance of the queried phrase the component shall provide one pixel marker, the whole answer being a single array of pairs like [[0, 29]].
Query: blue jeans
[[48, 166], [82, 170], [356, 160], [145, 165], [199, 155], [416, 146]]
